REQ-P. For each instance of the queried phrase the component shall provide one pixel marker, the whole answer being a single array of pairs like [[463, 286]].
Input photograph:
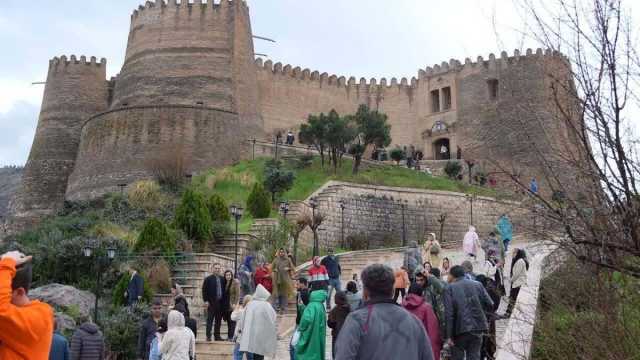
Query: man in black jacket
[[87, 343], [334, 270], [148, 329], [135, 289], [212, 295], [465, 302]]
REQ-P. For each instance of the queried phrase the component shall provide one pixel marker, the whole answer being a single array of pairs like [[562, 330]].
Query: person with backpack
[[432, 250]]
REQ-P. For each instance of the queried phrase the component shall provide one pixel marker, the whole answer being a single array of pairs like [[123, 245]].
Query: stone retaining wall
[[377, 212]]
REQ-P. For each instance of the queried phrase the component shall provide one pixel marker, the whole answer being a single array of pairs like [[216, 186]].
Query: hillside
[[234, 183], [9, 182]]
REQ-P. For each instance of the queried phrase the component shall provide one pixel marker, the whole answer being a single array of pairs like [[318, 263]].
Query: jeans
[[506, 243], [468, 344], [292, 350], [399, 292], [281, 303], [333, 284], [238, 355]]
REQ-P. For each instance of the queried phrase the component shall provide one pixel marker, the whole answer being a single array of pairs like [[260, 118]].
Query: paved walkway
[[456, 258]]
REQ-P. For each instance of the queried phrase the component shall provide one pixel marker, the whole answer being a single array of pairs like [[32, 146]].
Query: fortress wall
[[288, 95], [179, 54], [75, 89], [126, 145]]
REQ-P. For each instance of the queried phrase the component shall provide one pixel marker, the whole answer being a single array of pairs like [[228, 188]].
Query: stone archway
[[442, 149]]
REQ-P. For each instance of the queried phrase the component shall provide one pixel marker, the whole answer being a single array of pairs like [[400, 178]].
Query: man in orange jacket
[[26, 326]]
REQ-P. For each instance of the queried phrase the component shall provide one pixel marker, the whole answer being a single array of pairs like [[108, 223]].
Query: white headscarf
[[469, 244]]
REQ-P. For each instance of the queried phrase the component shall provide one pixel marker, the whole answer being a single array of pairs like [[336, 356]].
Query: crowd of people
[[422, 310]]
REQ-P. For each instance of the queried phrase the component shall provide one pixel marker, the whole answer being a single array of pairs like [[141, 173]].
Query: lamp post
[[236, 211], [314, 204], [88, 252], [253, 149], [471, 198], [404, 227], [342, 206], [122, 186]]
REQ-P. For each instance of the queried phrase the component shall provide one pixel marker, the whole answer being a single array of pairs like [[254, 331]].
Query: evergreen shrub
[[259, 202], [192, 217]]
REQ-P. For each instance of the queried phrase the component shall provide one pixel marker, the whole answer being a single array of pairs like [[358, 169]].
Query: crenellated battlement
[[191, 8], [62, 62], [452, 65]]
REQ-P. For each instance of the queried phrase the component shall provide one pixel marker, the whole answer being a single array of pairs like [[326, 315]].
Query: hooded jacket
[[416, 305], [466, 302], [318, 276], [25, 331], [313, 328], [259, 330], [382, 330], [412, 258], [470, 241], [87, 343], [504, 228], [178, 343]]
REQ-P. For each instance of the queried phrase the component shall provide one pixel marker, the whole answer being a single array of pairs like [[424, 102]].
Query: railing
[[517, 341]]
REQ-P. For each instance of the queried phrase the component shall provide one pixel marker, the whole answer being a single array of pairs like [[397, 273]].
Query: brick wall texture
[[190, 88]]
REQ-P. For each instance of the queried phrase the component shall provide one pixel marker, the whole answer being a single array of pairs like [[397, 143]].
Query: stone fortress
[[191, 88]]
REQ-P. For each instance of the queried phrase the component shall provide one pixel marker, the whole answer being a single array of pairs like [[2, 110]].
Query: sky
[[361, 38]]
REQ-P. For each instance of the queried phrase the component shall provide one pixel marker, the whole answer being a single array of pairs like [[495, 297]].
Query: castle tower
[[75, 89], [187, 94]]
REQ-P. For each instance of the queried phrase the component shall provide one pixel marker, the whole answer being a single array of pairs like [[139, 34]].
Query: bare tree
[[591, 206]]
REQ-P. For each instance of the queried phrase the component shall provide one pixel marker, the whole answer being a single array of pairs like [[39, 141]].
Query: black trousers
[[513, 296], [258, 357], [467, 346], [397, 294], [214, 312], [231, 325]]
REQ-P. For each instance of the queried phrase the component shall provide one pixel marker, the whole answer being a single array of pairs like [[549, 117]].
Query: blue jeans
[[333, 284], [238, 355], [292, 350], [506, 243]]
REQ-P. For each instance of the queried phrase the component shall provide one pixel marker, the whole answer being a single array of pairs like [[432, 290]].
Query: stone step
[[181, 273], [188, 281], [193, 265]]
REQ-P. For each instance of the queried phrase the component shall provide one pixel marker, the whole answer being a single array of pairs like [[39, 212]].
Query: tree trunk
[[356, 163]]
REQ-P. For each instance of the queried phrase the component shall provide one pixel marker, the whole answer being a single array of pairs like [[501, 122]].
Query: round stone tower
[[187, 97], [75, 90]]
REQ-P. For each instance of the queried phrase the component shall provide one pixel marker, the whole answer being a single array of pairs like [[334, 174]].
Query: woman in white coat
[[259, 328], [178, 343], [519, 268]]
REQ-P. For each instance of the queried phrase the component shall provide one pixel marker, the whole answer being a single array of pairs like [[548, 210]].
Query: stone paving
[[456, 257]]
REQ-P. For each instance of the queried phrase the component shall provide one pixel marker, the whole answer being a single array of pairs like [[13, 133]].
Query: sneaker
[[208, 339]]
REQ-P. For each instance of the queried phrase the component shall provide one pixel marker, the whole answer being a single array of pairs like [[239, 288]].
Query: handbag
[[296, 338]]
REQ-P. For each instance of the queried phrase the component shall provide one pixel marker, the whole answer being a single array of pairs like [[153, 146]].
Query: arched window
[[439, 126]]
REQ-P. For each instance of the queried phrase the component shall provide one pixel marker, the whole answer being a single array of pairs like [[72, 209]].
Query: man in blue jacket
[[59, 345], [333, 268], [135, 289]]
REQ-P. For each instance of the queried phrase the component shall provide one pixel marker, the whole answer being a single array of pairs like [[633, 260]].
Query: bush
[[357, 241], [259, 202], [145, 195], [277, 180], [121, 327], [192, 217], [480, 178], [159, 276], [218, 209], [397, 155], [453, 169], [117, 297], [301, 162], [155, 237]]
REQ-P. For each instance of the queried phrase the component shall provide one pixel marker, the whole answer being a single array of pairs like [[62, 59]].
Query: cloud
[[17, 127]]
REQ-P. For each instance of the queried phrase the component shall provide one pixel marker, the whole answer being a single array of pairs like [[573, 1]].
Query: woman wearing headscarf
[[519, 268], [245, 275], [259, 328], [313, 328], [262, 276], [282, 268], [471, 243], [178, 343], [179, 298], [432, 250], [505, 229]]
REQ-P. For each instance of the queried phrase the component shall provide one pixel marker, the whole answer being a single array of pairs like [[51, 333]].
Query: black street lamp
[[471, 199], [101, 261], [342, 206], [122, 186], [404, 227], [236, 212], [314, 204]]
